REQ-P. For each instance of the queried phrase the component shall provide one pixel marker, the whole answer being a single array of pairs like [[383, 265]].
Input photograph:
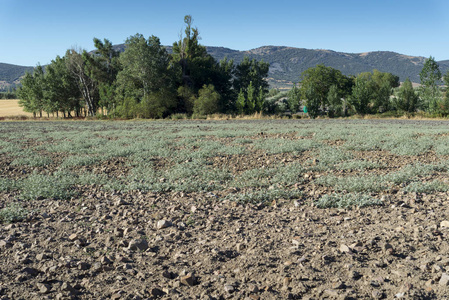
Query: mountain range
[[287, 63]]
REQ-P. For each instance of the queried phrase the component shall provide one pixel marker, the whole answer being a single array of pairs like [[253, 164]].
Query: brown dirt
[[103, 245]]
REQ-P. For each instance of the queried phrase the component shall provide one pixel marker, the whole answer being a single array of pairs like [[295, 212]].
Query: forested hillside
[[10, 74], [287, 63]]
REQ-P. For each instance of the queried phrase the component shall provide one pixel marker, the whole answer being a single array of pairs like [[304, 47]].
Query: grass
[[10, 108]]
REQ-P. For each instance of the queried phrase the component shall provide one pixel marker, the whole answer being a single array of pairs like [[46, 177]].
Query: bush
[[13, 212], [346, 200], [207, 102]]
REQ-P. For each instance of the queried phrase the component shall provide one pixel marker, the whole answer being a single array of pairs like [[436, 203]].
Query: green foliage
[[313, 101], [241, 101], [13, 212], [408, 99], [430, 77], [207, 102], [251, 99], [427, 187], [250, 78], [294, 98], [346, 200], [264, 196], [361, 96], [335, 102], [56, 186], [316, 82], [145, 78]]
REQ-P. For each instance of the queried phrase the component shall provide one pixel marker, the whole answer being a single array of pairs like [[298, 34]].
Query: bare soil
[[137, 245]]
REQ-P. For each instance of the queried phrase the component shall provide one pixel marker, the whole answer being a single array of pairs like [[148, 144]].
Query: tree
[[61, 88], [146, 74], [430, 77], [108, 61], [31, 94], [318, 81], [240, 103], [335, 102], [313, 101], [197, 67], [251, 99], [254, 73], [207, 102], [407, 99], [87, 72], [361, 95], [294, 99]]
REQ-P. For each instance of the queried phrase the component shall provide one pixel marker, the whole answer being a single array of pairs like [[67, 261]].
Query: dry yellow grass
[[10, 108]]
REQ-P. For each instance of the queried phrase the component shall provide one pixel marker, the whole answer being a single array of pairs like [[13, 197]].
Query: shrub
[[56, 186], [13, 212], [207, 102], [346, 200]]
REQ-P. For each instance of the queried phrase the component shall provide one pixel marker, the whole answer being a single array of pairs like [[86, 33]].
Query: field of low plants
[[259, 161], [269, 208]]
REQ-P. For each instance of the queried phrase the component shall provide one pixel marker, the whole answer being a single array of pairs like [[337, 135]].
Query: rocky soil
[[102, 245]]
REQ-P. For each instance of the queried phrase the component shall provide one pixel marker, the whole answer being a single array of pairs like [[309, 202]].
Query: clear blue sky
[[35, 31]]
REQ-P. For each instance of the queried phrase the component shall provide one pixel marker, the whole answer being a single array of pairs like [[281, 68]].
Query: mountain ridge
[[287, 63]]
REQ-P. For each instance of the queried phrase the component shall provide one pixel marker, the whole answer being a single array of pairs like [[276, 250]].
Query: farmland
[[269, 209], [11, 108]]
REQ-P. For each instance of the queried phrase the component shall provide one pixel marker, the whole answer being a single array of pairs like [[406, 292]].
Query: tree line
[[324, 90], [145, 81]]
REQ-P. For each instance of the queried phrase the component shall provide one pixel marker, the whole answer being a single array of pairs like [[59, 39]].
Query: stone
[[43, 288], [338, 285], [229, 288], [156, 292], [287, 281], [444, 223], [73, 237], [163, 224], [188, 279], [345, 249], [138, 244], [444, 280], [41, 256], [5, 244]]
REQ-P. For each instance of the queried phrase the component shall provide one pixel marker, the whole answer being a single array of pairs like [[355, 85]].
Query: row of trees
[[326, 90], [145, 81]]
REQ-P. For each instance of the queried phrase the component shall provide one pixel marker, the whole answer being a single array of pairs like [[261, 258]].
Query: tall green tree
[[87, 72], [240, 103], [407, 99], [361, 95], [254, 73], [108, 61], [251, 99], [294, 98], [318, 81], [147, 76], [197, 67], [31, 94], [312, 100], [61, 88], [430, 77]]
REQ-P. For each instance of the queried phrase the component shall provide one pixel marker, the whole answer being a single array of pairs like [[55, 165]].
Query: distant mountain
[[10, 74], [287, 63]]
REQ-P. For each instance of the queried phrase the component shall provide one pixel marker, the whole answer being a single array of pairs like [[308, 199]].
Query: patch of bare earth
[[135, 245]]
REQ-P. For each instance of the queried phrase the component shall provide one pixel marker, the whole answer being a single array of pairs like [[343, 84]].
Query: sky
[[36, 31]]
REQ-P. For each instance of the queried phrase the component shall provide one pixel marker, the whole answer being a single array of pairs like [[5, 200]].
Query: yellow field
[[9, 108]]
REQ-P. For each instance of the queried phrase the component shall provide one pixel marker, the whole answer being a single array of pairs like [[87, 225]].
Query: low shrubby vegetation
[[243, 161]]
